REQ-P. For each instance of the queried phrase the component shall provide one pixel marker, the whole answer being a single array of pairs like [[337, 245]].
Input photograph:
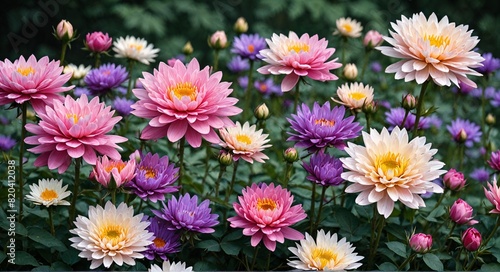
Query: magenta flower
[[461, 213], [454, 180], [493, 195], [121, 172], [75, 129], [165, 242], [36, 82], [266, 213], [494, 160], [298, 57], [184, 101], [98, 42], [471, 239], [248, 46], [420, 242]]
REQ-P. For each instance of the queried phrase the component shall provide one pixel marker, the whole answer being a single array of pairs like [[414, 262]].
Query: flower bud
[[225, 158], [372, 39], [98, 42], [409, 102], [461, 136], [420, 242], [218, 40], [64, 31], [135, 156], [291, 155], [461, 213], [454, 180], [241, 26], [350, 71], [261, 112], [187, 49], [490, 119], [471, 239]]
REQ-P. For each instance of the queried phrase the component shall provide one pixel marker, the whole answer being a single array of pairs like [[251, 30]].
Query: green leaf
[[209, 245], [37, 211], [60, 266], [433, 262], [42, 268], [45, 238], [490, 267], [24, 258], [230, 248], [70, 256], [387, 267], [398, 248], [2, 256], [235, 235]]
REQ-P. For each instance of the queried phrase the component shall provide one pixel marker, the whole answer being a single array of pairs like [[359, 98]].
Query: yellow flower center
[[298, 47], [48, 195], [391, 164], [324, 122], [347, 27], [112, 233], [437, 40], [73, 116], [266, 204], [357, 95], [150, 172], [243, 138], [251, 48], [158, 242], [135, 46], [184, 89], [26, 71], [323, 256], [115, 164]]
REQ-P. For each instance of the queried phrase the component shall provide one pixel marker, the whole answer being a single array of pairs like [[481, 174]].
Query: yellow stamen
[[298, 47], [150, 172], [25, 71], [73, 116], [183, 89], [391, 164], [357, 95], [159, 243], [266, 204], [48, 195], [112, 233], [251, 48], [323, 122], [137, 47], [242, 138], [323, 256], [437, 40], [115, 164], [347, 27]]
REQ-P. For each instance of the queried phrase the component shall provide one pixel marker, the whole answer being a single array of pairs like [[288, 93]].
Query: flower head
[[490, 64], [267, 87], [322, 127], [464, 131], [170, 267], [240, 26], [78, 91], [350, 71], [6, 143], [266, 213], [327, 253], [348, 27], [480, 174], [154, 178], [37, 82], [74, 129], [390, 168], [111, 234], [121, 172], [454, 180], [184, 101], [471, 239], [461, 213], [64, 31], [429, 49], [218, 40], [77, 72], [324, 169], [493, 195], [245, 142], [372, 39], [420, 242], [296, 57], [106, 77], [185, 214], [122, 106], [248, 46], [98, 42], [134, 48], [48, 192], [165, 241], [494, 160], [238, 64], [354, 95]]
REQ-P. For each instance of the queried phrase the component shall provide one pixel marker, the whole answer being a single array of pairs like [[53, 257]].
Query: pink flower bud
[[218, 40], [372, 38], [454, 180], [64, 30], [420, 242], [409, 102], [291, 155], [471, 239], [461, 213], [98, 42]]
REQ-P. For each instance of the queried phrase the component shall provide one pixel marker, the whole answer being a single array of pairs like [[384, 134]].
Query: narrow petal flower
[[245, 142], [122, 106], [77, 72], [348, 27], [108, 76], [493, 195], [48, 193], [354, 95], [170, 267], [248, 46], [461, 128], [134, 48], [165, 241], [324, 169], [113, 173], [6, 143]]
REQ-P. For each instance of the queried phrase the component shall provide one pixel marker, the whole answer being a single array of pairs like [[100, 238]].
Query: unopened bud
[[225, 158], [490, 119], [350, 71], [218, 40], [261, 112], [409, 102], [461, 137], [372, 39], [241, 25], [471, 239], [64, 31], [291, 155], [187, 49], [420, 242], [370, 108]]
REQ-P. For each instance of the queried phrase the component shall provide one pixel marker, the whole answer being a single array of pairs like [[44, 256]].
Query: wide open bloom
[[389, 169], [111, 234], [348, 27], [37, 82], [324, 169], [48, 192], [493, 195], [74, 129], [134, 48], [248, 46], [165, 241], [245, 142], [266, 213], [297, 57], [121, 172], [170, 267], [322, 127], [465, 131], [432, 49], [326, 253], [354, 95], [184, 101], [6, 143], [106, 77]]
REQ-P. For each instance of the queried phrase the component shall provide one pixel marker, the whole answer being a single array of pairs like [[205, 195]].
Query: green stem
[[63, 53], [474, 258], [288, 174], [313, 204], [461, 151], [76, 185], [344, 45], [321, 204], [216, 60], [217, 182], [130, 79], [181, 163], [449, 235], [420, 106], [342, 200], [207, 161], [51, 222], [113, 196], [365, 63], [24, 110], [297, 97], [409, 259], [231, 185], [374, 246], [254, 258], [248, 93], [407, 112], [493, 232], [367, 117], [97, 60]]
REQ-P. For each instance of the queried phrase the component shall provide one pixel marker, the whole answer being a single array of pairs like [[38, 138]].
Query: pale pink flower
[[348, 27], [184, 101], [265, 212], [298, 57], [74, 129], [64, 30], [493, 195], [36, 82], [434, 49], [121, 172], [373, 38], [245, 142]]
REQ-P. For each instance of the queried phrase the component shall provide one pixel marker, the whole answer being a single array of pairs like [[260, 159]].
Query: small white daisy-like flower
[[170, 267], [111, 234], [354, 95], [77, 72], [326, 253], [48, 192], [135, 48], [245, 142], [348, 27]]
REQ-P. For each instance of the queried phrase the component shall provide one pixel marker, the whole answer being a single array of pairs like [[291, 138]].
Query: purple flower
[[122, 106], [6, 143], [154, 177], [489, 92], [237, 65], [78, 91], [185, 214], [465, 131], [267, 87], [243, 82], [432, 121], [494, 160], [376, 67], [490, 64], [323, 127], [395, 118], [324, 169], [480, 174], [464, 88], [165, 242], [495, 100], [106, 77], [4, 120], [248, 45]]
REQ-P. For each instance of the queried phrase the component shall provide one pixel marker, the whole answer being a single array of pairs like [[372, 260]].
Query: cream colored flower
[[389, 168], [245, 142], [348, 27], [135, 48], [354, 95], [77, 72], [110, 235], [326, 253], [48, 192], [434, 49], [170, 267]]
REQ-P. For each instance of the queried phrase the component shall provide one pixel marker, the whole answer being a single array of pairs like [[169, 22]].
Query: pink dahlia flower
[[296, 57], [74, 129], [37, 82], [184, 101], [121, 172], [433, 49], [265, 212], [493, 195]]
